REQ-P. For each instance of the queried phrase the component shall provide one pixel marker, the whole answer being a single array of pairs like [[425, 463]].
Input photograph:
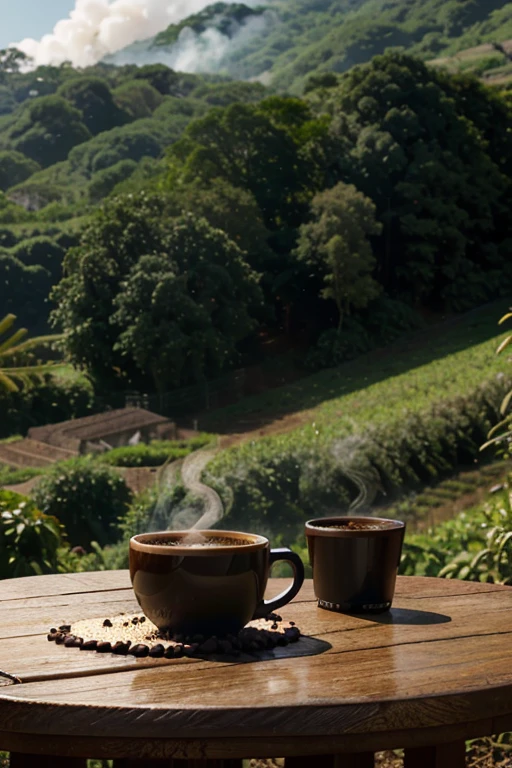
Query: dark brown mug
[[355, 568], [209, 590]]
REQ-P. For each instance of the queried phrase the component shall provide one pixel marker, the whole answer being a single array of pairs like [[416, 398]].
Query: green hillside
[[315, 36]]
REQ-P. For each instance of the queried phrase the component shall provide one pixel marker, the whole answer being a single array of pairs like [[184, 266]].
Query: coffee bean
[[68, 642], [139, 651], [274, 626], [179, 651], [90, 645], [142, 619], [292, 623], [209, 646], [65, 628], [104, 647], [135, 620], [225, 647], [121, 648], [126, 624], [107, 623], [157, 651], [169, 652]]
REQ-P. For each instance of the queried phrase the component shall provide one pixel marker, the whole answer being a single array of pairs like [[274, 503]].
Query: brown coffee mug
[[355, 567], [210, 590]]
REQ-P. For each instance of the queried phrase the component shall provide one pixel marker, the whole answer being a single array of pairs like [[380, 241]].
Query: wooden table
[[435, 671]]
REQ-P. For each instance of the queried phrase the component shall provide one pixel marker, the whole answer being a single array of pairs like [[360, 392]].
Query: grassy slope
[[413, 365], [407, 415]]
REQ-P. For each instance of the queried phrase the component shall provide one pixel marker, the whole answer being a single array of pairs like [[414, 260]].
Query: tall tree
[[405, 144], [154, 301], [336, 244]]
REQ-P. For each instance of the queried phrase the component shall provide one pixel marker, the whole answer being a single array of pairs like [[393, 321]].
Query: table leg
[[451, 755], [17, 760], [355, 760]]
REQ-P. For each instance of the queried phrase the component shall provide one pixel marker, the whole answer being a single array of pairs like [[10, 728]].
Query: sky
[[30, 18]]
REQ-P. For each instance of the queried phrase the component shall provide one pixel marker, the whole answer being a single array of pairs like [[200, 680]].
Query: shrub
[[29, 539], [154, 454], [475, 546], [87, 498]]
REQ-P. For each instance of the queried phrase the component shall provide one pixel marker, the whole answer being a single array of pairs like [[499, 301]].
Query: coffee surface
[[354, 525], [215, 541]]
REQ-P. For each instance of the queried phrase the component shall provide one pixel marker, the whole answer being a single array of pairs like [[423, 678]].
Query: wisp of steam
[[167, 517], [349, 456], [96, 29]]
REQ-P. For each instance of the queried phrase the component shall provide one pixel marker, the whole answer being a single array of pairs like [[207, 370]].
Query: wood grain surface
[[436, 669]]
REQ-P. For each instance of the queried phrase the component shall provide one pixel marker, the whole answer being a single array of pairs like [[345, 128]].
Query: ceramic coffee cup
[[214, 589], [355, 562]]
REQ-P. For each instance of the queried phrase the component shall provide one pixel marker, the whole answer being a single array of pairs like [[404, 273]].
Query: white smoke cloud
[[97, 28]]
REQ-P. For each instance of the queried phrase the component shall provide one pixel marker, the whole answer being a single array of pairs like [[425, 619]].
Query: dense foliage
[[87, 498], [29, 539]]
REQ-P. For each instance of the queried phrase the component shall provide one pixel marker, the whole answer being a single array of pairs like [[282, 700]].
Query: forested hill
[[285, 41]]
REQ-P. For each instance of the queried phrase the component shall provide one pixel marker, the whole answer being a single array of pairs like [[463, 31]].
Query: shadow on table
[[407, 616], [306, 646]]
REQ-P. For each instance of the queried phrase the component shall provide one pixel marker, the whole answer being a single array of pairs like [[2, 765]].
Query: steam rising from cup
[[168, 516]]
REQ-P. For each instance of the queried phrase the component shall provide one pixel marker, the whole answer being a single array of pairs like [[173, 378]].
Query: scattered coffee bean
[[90, 645], [104, 647], [126, 624], [157, 651], [107, 623], [121, 648], [179, 651], [169, 652], [65, 628], [292, 623], [225, 646], [209, 646], [142, 619], [274, 626], [139, 651], [135, 620]]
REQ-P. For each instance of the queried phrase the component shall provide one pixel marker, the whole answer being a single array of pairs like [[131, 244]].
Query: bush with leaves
[[87, 498], [29, 539], [154, 454], [475, 546]]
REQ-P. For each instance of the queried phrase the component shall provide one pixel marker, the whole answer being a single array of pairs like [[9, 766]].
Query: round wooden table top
[[437, 667]]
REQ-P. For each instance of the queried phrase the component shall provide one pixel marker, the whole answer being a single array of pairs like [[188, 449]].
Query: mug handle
[[285, 554]]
